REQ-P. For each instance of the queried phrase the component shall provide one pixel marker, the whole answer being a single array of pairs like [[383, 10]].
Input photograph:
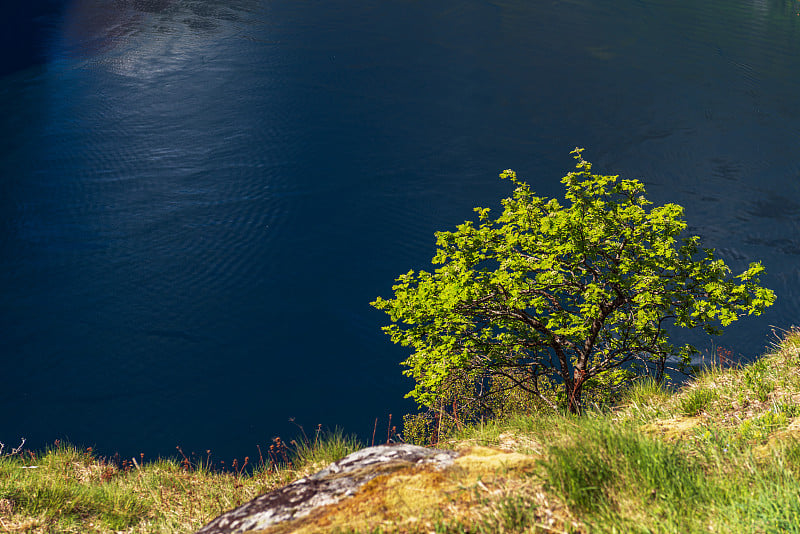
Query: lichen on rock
[[339, 480]]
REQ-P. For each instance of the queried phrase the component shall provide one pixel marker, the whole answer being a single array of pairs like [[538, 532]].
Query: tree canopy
[[567, 291]]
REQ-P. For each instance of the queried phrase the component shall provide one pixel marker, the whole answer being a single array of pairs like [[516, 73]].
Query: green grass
[[721, 454], [696, 400], [325, 449], [65, 490]]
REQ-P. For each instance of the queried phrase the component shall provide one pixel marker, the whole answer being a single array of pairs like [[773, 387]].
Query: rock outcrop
[[334, 483]]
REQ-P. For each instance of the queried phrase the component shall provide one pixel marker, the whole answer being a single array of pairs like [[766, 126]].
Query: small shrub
[[696, 401], [759, 428], [645, 391], [756, 379], [326, 448]]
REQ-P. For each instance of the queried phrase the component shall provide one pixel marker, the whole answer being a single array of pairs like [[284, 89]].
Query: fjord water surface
[[199, 198]]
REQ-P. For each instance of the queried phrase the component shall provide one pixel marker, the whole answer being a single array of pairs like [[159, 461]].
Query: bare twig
[[13, 451]]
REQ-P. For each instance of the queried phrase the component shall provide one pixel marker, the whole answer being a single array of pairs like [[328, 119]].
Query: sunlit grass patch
[[606, 466], [326, 448], [645, 399], [66, 490], [697, 400], [759, 428]]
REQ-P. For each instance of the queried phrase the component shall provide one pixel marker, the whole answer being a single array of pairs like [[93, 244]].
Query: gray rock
[[339, 480]]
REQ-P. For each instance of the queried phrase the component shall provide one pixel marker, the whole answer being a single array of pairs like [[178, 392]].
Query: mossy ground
[[722, 454]]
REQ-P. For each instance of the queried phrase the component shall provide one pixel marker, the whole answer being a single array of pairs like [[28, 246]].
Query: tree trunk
[[574, 388]]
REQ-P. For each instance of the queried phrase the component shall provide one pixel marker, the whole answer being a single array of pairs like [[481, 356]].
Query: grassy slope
[[64, 490], [721, 455]]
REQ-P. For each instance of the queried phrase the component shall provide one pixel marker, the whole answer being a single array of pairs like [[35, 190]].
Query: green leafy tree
[[566, 292]]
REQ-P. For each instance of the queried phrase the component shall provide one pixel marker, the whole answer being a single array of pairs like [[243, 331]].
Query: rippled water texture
[[198, 199]]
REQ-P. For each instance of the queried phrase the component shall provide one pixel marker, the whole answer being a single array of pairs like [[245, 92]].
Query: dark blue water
[[199, 199]]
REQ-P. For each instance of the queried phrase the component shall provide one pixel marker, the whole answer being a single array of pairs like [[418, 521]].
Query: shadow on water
[[24, 29]]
